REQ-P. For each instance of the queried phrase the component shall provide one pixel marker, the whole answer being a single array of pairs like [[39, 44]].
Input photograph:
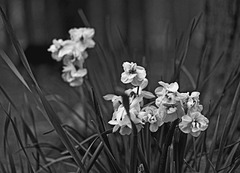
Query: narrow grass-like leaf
[[59, 100], [100, 52], [212, 166], [213, 144], [233, 76], [201, 65], [17, 135], [211, 71], [17, 46], [113, 162], [230, 158], [97, 111], [227, 125], [84, 18], [57, 126], [202, 150], [8, 97], [88, 151], [142, 160], [52, 162], [21, 164], [183, 57], [74, 132], [99, 117], [95, 156], [166, 145], [189, 76], [236, 165], [45, 145], [179, 143], [189, 166], [5, 134], [33, 139], [133, 148], [11, 162], [2, 167], [14, 69]]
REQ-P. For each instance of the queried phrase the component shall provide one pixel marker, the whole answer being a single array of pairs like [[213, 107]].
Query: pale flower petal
[[133, 74], [147, 95], [125, 130], [173, 87], [193, 123]]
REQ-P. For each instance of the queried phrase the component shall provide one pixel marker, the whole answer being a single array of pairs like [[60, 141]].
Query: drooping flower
[[193, 123], [133, 74]]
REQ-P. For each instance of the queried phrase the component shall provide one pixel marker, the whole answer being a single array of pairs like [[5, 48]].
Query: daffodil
[[151, 115], [133, 74], [139, 92], [172, 87], [193, 123], [117, 100], [169, 101], [55, 48], [83, 36], [72, 75], [122, 120]]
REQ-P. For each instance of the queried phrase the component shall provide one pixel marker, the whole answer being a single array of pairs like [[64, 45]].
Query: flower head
[[193, 123], [83, 36], [73, 53], [117, 100], [151, 115], [138, 91], [122, 120], [73, 75], [55, 48], [133, 74]]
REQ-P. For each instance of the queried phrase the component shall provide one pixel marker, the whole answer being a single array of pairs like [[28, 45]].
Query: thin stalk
[[166, 146]]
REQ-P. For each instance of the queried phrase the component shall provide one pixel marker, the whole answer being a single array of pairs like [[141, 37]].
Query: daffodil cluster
[[73, 53], [169, 105]]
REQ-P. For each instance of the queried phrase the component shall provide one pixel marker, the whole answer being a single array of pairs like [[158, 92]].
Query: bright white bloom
[[193, 123], [169, 101], [165, 87], [151, 115], [117, 100], [73, 53], [73, 75], [72, 48], [83, 36], [55, 47], [193, 102], [138, 91], [133, 74], [120, 118]]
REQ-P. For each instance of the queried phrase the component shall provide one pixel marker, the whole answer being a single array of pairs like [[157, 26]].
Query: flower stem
[[166, 146]]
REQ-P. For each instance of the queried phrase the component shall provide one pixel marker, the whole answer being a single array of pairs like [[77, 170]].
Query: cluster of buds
[[169, 105], [73, 53]]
